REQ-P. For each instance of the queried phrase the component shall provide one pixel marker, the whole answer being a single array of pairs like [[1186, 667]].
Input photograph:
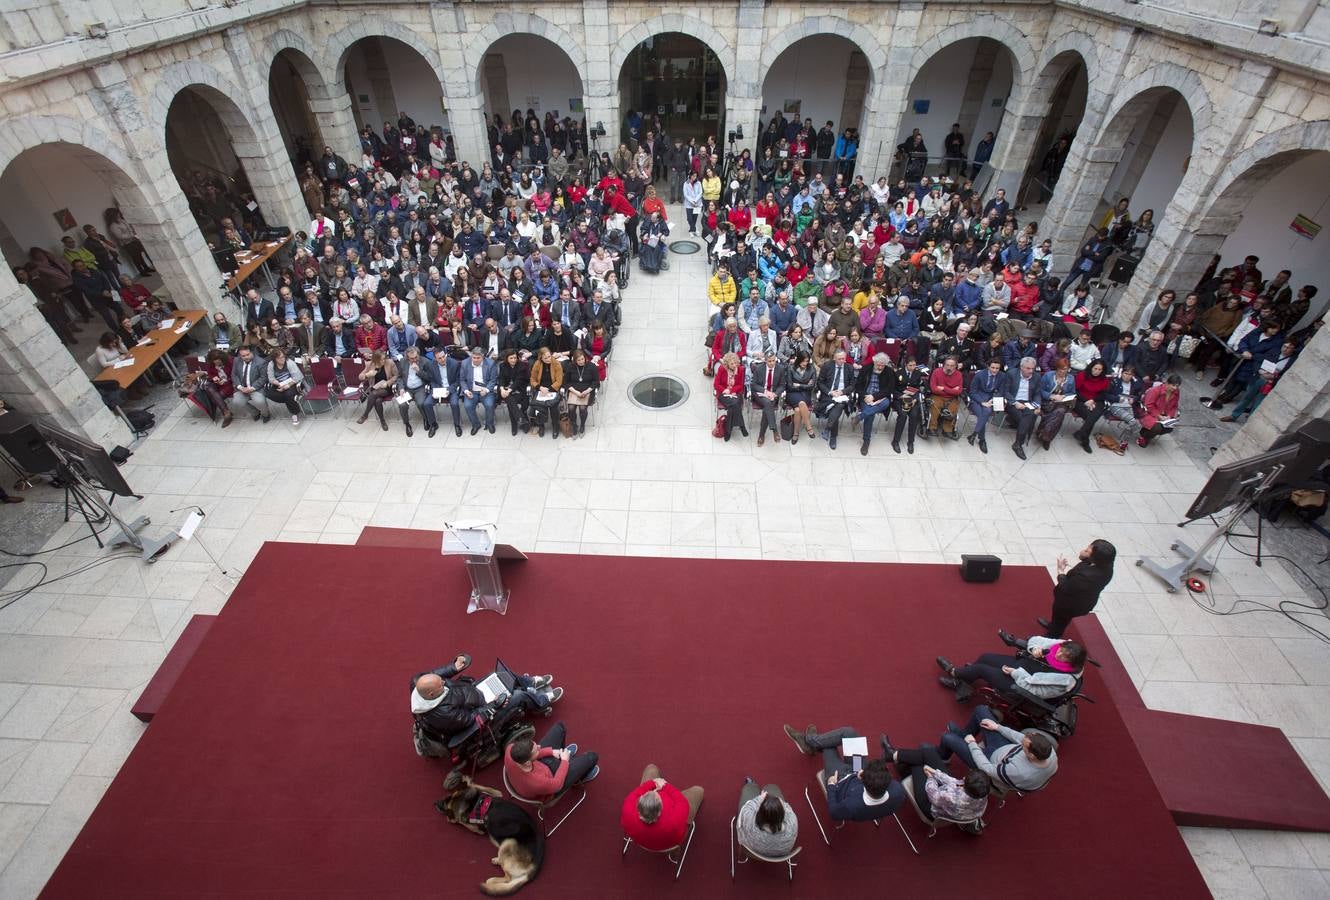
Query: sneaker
[[295, 420], [887, 750], [799, 740], [555, 695], [590, 776], [571, 748], [539, 681], [945, 665]]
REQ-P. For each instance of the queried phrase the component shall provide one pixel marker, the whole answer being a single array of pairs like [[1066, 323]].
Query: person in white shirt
[[321, 227]]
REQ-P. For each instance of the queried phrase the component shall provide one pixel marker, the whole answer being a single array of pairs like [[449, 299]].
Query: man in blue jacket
[[969, 295], [863, 796]]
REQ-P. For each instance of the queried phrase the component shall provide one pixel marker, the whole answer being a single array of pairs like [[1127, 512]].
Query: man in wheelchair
[[1048, 668], [449, 705]]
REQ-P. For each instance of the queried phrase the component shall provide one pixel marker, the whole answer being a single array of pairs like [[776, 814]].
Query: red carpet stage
[[281, 762]]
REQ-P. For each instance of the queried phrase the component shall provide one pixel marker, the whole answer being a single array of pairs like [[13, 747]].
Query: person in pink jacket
[[1159, 404]]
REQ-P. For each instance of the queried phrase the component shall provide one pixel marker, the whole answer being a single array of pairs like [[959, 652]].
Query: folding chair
[[542, 805], [788, 858], [193, 364], [669, 852], [350, 378], [324, 375]]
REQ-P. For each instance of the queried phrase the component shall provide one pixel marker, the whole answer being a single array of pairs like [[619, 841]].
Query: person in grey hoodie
[[1023, 762]]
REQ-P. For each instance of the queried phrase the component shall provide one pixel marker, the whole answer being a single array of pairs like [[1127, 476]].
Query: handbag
[[718, 430], [1187, 345], [565, 424], [1108, 443], [787, 428]]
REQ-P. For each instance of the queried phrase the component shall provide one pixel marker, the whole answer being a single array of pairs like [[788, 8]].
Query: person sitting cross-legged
[[538, 771], [1023, 762], [876, 389], [862, 796], [936, 792], [1050, 668]]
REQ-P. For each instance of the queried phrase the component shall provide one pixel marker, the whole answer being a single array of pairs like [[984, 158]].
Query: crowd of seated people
[[449, 285], [962, 300]]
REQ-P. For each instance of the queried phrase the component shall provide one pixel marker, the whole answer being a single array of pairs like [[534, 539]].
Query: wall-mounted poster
[[575, 104], [65, 219], [792, 107], [921, 107], [1305, 226]]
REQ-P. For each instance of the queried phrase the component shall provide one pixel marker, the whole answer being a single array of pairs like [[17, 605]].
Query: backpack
[[426, 742]]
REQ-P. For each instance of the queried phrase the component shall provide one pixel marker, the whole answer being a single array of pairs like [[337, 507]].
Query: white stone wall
[[1254, 98]]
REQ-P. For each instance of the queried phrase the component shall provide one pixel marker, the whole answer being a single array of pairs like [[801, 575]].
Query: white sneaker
[[295, 420]]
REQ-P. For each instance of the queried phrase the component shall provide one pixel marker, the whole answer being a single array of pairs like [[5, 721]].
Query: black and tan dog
[[483, 810]]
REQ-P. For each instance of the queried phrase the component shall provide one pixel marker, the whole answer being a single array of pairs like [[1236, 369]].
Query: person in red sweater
[[768, 210], [945, 384], [1024, 296], [539, 771], [1091, 383], [796, 271], [740, 218], [370, 335], [656, 814]]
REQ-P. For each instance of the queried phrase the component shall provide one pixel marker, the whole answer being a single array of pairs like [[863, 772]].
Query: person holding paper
[[1022, 400], [480, 381], [546, 381], [447, 704], [285, 383], [110, 349], [986, 389], [852, 796], [417, 378], [1264, 382], [835, 384], [1159, 410]]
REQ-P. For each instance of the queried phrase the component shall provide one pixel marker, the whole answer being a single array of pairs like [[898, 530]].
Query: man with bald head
[[447, 704]]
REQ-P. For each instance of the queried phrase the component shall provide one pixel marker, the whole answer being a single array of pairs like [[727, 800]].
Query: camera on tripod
[[736, 135], [597, 130]]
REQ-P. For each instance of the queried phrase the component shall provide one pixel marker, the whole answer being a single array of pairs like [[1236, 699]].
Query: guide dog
[[483, 810]]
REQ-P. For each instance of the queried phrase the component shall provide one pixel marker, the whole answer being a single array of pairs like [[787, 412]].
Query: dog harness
[[479, 810]]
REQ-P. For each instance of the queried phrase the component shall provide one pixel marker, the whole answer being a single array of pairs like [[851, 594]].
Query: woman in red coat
[[1160, 403], [1091, 384], [729, 387]]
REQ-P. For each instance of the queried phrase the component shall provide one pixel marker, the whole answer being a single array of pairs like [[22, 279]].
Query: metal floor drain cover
[[658, 392]]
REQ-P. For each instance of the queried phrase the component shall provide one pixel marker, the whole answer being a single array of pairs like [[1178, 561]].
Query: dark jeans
[[981, 415], [952, 742], [578, 766], [832, 412], [912, 762], [829, 744], [516, 404], [1025, 422], [424, 398], [870, 410], [989, 668]]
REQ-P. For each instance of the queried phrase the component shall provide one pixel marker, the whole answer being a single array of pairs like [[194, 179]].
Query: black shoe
[[887, 750], [1018, 450], [1044, 623], [831, 442], [458, 429], [948, 682], [863, 449], [983, 446], [909, 448], [1085, 445], [475, 429], [971, 439], [433, 429], [954, 435], [1009, 639], [895, 446], [1043, 443], [409, 432], [489, 428], [542, 430], [945, 665], [267, 418]]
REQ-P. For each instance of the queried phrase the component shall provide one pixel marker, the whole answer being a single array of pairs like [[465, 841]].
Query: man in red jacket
[[945, 384], [656, 814], [1024, 296]]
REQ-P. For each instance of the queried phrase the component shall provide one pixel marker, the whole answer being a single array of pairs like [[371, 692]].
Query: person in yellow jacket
[[722, 288]]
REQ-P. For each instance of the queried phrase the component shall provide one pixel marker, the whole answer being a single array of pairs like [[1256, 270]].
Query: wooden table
[[162, 341], [253, 259]]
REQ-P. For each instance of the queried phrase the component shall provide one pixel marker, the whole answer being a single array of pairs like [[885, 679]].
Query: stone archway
[[330, 107]]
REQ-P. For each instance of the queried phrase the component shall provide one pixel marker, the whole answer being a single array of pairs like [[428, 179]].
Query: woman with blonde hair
[[377, 379]]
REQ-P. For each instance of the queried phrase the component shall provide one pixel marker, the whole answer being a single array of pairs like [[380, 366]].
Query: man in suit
[[474, 313], [339, 342], [506, 311], [835, 385], [984, 386], [418, 376], [257, 310], [1022, 397], [479, 381], [599, 308], [876, 390], [421, 308], [864, 796], [768, 384], [250, 376], [569, 312]]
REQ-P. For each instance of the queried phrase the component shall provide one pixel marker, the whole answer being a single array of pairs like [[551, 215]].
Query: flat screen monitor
[[1237, 481], [89, 460]]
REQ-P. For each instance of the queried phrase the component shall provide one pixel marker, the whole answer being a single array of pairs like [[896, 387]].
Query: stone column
[[157, 208], [337, 123], [600, 85], [1301, 395], [743, 89], [258, 143], [891, 88], [461, 90], [39, 376]]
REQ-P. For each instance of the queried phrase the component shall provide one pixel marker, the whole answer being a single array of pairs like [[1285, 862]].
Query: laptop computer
[[499, 684]]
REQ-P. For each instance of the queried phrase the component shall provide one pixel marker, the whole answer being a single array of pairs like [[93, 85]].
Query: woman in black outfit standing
[[1077, 591]]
